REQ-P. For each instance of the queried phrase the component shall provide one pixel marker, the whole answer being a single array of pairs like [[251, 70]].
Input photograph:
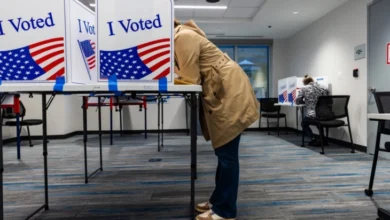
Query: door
[[378, 69]]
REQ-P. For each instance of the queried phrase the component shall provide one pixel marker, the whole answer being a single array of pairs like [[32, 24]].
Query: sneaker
[[210, 215], [203, 207]]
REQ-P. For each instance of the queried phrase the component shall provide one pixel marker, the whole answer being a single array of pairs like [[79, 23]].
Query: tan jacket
[[228, 103]]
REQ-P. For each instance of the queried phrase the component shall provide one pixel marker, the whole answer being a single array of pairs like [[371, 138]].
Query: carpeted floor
[[279, 180]]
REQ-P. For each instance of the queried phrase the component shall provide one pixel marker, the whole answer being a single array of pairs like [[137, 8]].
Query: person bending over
[[227, 107], [309, 96]]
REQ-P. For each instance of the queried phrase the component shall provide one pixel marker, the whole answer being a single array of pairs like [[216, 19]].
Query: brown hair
[[176, 23], [308, 79]]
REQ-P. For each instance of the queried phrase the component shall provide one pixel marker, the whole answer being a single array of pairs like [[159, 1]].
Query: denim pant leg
[[216, 194], [306, 128], [225, 198]]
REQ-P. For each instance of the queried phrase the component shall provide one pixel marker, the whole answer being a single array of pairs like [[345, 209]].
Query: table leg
[[186, 104], [162, 124], [146, 123], [44, 133], [100, 133], [194, 106], [297, 119], [303, 132], [120, 120], [369, 191], [85, 138], [111, 126], [158, 123], [1, 169]]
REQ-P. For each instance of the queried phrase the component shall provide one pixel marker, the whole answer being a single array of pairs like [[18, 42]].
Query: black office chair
[[329, 111], [267, 105], [8, 113]]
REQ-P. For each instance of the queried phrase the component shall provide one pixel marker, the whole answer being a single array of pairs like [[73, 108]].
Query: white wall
[[326, 48]]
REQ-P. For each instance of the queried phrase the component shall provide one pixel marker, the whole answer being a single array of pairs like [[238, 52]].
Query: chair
[[267, 105], [329, 112], [9, 113]]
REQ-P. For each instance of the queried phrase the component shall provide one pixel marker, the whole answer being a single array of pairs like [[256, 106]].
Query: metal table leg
[[85, 138], [158, 123], [111, 122], [100, 133], [186, 104], [369, 191], [194, 106], [162, 123], [1, 166], [297, 119]]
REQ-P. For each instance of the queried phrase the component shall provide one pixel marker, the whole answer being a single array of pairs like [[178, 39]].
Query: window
[[254, 60]]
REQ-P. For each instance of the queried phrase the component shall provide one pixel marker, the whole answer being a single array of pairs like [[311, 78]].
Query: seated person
[[309, 96]]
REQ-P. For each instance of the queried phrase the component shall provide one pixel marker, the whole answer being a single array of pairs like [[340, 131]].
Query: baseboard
[[342, 143], [173, 131], [75, 133]]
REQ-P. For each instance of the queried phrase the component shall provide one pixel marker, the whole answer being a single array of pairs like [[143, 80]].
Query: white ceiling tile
[[209, 13], [246, 3], [240, 12]]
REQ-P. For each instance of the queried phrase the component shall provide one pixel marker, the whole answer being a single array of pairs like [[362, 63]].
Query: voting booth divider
[[63, 42], [289, 88]]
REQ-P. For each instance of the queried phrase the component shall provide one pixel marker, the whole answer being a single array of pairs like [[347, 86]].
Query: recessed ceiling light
[[92, 4], [295, 12], [199, 7]]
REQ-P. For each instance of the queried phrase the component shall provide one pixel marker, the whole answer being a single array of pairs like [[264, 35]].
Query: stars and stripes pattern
[[283, 97], [149, 61], [88, 49], [292, 96], [41, 61]]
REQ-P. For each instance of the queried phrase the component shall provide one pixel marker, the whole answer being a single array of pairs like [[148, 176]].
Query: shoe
[[314, 143], [210, 215], [203, 207]]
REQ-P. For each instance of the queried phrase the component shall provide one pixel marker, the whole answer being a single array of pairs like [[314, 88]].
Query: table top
[[289, 104], [99, 87], [379, 117]]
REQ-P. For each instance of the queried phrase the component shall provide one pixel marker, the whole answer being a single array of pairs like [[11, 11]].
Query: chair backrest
[[383, 103], [332, 107], [9, 113], [268, 105]]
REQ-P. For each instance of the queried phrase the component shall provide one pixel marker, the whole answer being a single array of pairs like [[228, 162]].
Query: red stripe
[[91, 62], [153, 42], [91, 59], [54, 64], [32, 46], [160, 64], [153, 49], [49, 56], [57, 74], [163, 74], [46, 49], [92, 67], [156, 56]]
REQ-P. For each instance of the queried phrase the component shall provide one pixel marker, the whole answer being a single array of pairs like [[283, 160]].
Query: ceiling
[[267, 19]]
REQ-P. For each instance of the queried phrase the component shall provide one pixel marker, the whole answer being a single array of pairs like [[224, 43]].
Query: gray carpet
[[279, 180]]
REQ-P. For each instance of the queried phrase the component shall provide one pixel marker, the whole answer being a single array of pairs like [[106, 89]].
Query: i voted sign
[[32, 40], [82, 42], [135, 40]]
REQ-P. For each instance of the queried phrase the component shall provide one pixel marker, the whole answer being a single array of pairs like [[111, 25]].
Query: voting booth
[[43, 40], [289, 88], [135, 42]]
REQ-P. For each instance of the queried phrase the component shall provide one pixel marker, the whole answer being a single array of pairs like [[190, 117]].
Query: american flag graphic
[[88, 51], [41, 61], [149, 61], [283, 97], [292, 96]]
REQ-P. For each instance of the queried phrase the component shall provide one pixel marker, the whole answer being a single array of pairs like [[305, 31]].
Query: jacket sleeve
[[187, 51], [299, 100]]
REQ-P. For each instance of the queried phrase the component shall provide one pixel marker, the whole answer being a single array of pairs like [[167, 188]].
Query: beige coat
[[228, 103]]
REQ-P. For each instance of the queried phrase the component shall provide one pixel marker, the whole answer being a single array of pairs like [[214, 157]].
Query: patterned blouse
[[309, 96]]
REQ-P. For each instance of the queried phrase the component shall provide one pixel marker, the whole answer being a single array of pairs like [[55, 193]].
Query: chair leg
[[285, 124], [321, 139], [268, 126], [29, 136], [260, 123], [350, 135], [278, 126], [303, 136]]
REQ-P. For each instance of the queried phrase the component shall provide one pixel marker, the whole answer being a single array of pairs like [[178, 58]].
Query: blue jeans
[[224, 197], [306, 127]]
